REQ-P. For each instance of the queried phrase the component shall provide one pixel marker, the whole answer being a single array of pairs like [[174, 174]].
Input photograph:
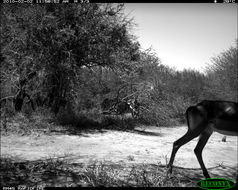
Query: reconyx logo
[[215, 183]]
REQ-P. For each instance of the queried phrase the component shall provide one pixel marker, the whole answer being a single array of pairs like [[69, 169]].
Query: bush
[[39, 121], [81, 120], [118, 122], [158, 114]]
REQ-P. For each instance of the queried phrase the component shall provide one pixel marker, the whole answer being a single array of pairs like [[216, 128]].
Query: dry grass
[[59, 173]]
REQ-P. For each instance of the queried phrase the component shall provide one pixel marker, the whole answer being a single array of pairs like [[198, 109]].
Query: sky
[[184, 35]]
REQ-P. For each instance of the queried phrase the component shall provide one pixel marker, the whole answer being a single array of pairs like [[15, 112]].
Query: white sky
[[185, 35]]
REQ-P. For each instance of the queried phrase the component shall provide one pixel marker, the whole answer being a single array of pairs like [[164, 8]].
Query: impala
[[203, 119]]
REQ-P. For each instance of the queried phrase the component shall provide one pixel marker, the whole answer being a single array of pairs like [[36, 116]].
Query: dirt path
[[151, 146]]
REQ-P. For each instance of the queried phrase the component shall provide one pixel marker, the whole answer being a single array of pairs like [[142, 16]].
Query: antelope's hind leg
[[196, 125], [199, 148], [180, 142]]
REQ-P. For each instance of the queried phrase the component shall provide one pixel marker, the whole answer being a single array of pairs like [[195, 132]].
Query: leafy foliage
[[222, 75]]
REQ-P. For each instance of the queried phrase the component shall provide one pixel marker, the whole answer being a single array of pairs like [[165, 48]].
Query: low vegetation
[[59, 173]]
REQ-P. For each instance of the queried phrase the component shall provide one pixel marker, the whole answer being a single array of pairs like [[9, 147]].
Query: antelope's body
[[204, 118]]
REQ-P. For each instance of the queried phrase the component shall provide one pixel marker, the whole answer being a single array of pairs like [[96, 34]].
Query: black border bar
[[116, 1]]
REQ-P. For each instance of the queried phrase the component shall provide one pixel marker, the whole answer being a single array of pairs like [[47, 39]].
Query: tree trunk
[[18, 102]]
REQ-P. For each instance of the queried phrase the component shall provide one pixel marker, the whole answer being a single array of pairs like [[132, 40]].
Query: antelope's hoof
[[206, 175]]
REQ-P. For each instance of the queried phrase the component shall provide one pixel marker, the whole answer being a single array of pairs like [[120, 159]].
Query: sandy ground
[[150, 145]]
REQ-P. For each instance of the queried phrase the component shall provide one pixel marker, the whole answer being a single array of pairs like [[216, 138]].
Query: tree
[[222, 76], [57, 41]]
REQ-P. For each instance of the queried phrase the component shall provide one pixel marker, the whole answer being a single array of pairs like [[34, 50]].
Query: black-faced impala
[[203, 119]]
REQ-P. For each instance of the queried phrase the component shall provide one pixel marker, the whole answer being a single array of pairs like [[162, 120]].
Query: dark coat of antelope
[[202, 120]]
